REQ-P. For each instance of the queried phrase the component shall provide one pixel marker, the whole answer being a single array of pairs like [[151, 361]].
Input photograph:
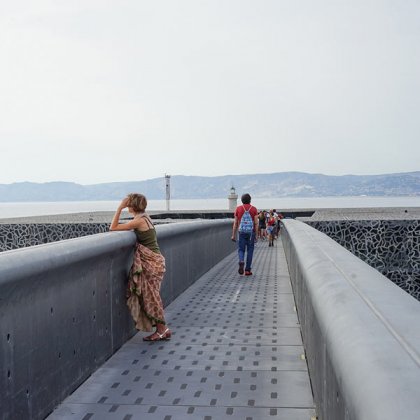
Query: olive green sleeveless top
[[148, 237]]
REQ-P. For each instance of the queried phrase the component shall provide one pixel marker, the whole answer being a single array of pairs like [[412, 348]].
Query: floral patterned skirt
[[143, 292]]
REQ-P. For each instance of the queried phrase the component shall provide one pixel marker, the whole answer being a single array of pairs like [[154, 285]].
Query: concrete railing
[[361, 332], [63, 309]]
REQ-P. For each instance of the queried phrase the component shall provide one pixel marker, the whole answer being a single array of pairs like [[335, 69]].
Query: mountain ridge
[[276, 184]]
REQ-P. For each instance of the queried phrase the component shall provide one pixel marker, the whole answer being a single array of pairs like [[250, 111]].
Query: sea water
[[8, 210]]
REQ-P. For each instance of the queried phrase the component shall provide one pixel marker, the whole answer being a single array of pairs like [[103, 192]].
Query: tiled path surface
[[236, 353]]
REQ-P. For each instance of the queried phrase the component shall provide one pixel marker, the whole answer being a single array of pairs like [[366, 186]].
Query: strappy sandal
[[166, 335]]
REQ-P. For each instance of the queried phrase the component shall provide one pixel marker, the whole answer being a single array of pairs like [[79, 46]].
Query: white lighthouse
[[232, 199]]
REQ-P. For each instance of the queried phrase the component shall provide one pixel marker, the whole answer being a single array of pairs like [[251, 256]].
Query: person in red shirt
[[271, 226], [246, 230]]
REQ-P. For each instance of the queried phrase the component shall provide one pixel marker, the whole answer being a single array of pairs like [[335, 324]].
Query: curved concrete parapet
[[361, 332], [63, 309]]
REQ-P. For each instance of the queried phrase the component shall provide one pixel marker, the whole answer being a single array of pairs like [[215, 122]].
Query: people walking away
[[147, 270], [261, 225], [280, 217], [271, 223], [276, 218], [245, 226]]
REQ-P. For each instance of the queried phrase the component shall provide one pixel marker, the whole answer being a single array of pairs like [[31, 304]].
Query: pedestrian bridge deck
[[236, 353]]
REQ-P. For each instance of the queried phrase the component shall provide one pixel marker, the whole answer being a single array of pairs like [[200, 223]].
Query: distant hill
[[281, 184]]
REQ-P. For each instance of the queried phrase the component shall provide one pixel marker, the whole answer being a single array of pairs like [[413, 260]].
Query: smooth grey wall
[[361, 332], [63, 310]]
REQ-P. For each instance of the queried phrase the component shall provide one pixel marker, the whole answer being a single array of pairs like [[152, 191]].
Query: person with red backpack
[[245, 225]]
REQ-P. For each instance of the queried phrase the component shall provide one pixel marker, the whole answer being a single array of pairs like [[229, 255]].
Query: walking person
[[245, 225], [271, 223], [147, 271], [261, 225], [280, 217], [275, 230]]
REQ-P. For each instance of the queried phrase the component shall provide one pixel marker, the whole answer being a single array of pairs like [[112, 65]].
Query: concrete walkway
[[236, 353]]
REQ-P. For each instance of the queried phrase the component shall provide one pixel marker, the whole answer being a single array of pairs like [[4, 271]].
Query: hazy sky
[[97, 91]]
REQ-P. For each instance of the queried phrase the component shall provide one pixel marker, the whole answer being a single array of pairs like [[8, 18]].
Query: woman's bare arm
[[116, 225]]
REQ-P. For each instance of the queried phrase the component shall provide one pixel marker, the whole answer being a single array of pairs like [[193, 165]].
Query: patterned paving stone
[[236, 353], [156, 412]]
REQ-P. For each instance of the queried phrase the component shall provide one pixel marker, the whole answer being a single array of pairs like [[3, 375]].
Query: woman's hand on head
[[124, 203]]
